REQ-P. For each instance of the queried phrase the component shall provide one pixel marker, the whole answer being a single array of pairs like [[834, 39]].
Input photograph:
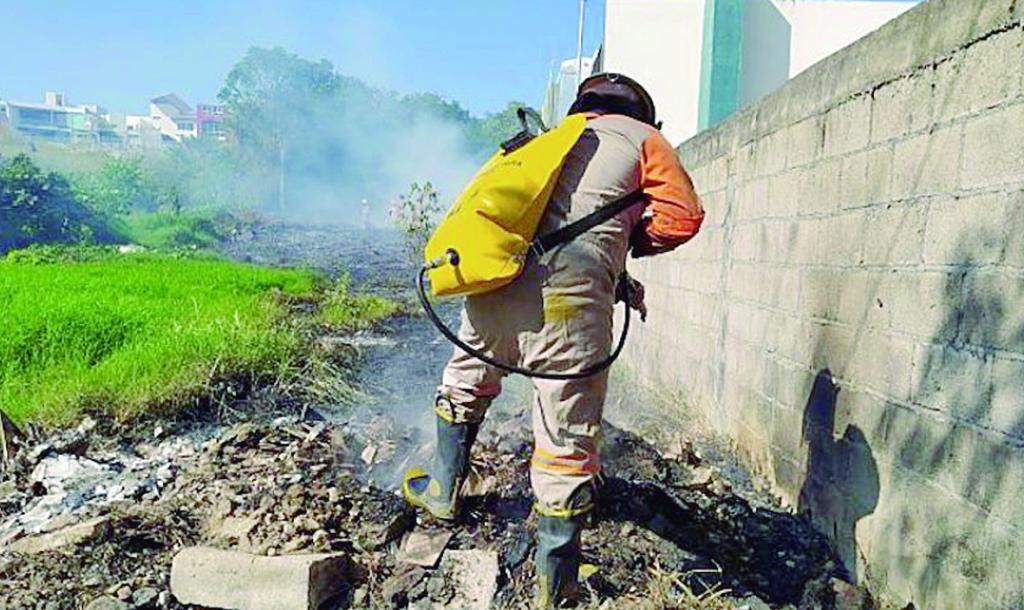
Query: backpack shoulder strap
[[573, 230]]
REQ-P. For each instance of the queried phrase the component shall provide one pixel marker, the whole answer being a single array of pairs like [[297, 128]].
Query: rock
[[214, 578], [124, 594], [145, 598], [75, 534], [752, 602], [474, 576], [236, 528], [107, 603], [423, 548], [395, 590], [850, 597]]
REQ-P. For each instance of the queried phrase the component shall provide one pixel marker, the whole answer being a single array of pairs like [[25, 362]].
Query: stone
[[236, 528], [107, 603], [146, 597], [205, 576], [75, 534], [423, 548], [474, 576], [850, 597], [395, 590]]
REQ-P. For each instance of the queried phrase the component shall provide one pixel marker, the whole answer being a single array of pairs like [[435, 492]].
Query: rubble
[[68, 536], [214, 578], [423, 548], [274, 488]]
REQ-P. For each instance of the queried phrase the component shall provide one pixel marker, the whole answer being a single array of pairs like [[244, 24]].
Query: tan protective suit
[[557, 316]]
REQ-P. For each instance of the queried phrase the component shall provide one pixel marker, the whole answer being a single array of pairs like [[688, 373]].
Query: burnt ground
[[680, 529]]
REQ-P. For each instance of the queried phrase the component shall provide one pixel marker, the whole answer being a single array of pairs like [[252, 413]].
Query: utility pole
[[579, 45]]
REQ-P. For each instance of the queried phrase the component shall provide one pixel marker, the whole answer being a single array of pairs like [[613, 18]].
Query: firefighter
[[557, 317]]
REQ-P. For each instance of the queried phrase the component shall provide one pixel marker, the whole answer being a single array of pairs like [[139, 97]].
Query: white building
[[701, 60], [172, 117], [822, 27], [658, 44], [562, 86], [56, 119]]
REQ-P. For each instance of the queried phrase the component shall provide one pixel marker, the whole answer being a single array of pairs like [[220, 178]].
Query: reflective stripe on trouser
[[571, 333]]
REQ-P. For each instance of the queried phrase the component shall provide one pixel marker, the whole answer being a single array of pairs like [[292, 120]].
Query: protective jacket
[[557, 315]]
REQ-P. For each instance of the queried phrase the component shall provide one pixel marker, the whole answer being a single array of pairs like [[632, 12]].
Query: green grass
[[88, 328], [346, 311], [168, 231]]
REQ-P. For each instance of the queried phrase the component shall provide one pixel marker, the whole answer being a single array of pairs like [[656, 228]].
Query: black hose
[[451, 336]]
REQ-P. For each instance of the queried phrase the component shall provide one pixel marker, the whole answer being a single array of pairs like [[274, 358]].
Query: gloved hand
[[636, 294]]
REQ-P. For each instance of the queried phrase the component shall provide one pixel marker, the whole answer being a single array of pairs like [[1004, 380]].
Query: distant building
[[56, 120], [562, 86], [170, 119], [173, 117], [210, 121]]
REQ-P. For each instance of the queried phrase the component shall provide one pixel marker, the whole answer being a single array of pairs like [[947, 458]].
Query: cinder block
[[927, 164], [214, 578], [894, 236], [848, 126], [953, 381], [902, 106], [925, 305], [842, 239], [883, 363], [994, 148], [804, 142], [1006, 413], [771, 153], [1014, 251], [783, 193], [878, 187], [746, 168], [853, 180], [818, 292], [990, 311], [752, 199], [787, 431], [858, 299], [968, 231], [978, 77]]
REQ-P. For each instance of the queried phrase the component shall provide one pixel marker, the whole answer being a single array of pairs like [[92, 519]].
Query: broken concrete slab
[[71, 535], [214, 578], [474, 576], [423, 548]]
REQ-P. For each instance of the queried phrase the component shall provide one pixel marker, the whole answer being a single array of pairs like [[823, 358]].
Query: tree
[[497, 127], [37, 206], [119, 187], [267, 94]]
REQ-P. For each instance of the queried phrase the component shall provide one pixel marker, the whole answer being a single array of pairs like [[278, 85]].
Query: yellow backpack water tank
[[492, 223]]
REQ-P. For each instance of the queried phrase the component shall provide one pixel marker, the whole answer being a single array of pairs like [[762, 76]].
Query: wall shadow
[[841, 486]]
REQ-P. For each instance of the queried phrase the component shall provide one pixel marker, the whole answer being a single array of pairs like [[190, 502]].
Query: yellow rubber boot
[[436, 490]]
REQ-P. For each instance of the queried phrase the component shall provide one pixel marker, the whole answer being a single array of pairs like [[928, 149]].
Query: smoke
[[374, 152]]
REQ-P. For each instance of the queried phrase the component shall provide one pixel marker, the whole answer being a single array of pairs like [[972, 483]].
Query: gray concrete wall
[[852, 314]]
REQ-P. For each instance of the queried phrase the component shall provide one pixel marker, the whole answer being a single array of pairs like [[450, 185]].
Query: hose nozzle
[[451, 257]]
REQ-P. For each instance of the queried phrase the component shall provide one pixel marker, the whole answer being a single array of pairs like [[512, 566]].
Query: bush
[[37, 206]]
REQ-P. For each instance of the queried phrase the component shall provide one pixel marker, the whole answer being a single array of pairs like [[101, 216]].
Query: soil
[[283, 476]]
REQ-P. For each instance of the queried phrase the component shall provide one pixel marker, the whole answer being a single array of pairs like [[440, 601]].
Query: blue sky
[[119, 54]]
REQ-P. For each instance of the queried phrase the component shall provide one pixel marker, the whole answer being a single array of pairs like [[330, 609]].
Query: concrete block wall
[[852, 313]]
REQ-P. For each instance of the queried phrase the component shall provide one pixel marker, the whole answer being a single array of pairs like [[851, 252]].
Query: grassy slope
[[126, 333]]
